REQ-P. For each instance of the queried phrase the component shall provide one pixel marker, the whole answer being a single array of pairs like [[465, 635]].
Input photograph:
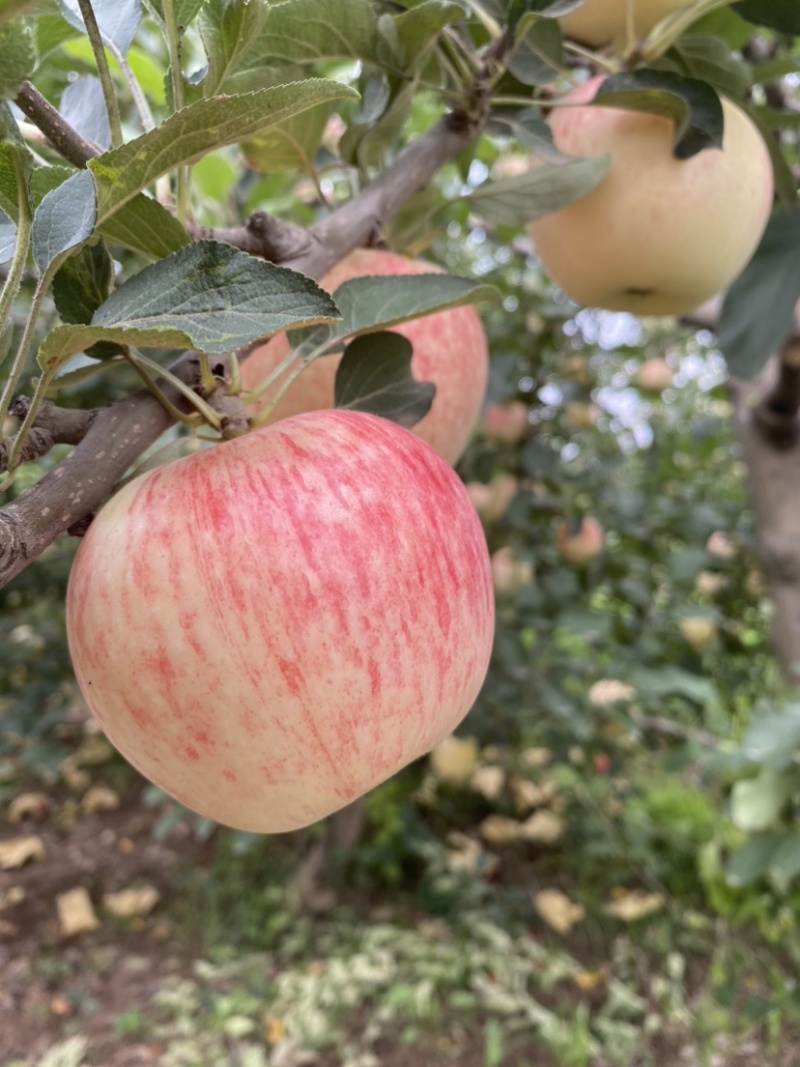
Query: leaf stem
[[103, 71], [17, 267], [42, 385], [203, 409], [18, 365]]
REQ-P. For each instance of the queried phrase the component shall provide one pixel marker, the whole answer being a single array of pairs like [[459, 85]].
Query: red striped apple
[[602, 22], [449, 350], [269, 628], [658, 235]]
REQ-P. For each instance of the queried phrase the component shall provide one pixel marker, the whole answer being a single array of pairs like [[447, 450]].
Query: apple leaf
[[228, 31], [117, 20], [545, 188], [374, 375], [17, 56], [64, 220], [519, 10], [537, 55], [373, 302], [308, 31], [418, 27], [692, 105], [759, 307], [185, 11], [757, 802], [708, 58], [144, 226], [207, 296], [83, 107], [781, 15], [83, 283], [752, 860], [197, 129]]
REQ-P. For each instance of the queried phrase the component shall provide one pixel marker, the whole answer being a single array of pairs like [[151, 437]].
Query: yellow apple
[[698, 631], [602, 22], [658, 235]]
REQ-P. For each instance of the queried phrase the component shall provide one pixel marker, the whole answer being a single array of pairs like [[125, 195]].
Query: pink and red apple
[[269, 628], [449, 350], [657, 235], [580, 545]]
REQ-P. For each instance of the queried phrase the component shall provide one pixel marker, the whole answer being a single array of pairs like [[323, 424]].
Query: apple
[[581, 545], [698, 631], [657, 236], [509, 573], [602, 22], [491, 501], [270, 627], [654, 375], [450, 350], [506, 423]]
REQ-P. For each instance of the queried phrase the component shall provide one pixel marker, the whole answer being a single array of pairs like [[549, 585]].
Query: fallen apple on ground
[[450, 350], [269, 628], [657, 235]]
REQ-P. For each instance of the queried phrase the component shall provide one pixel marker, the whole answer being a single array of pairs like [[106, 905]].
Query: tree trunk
[[770, 447]]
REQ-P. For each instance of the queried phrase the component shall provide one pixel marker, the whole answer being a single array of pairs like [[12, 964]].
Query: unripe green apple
[[581, 545], [657, 235], [449, 350], [602, 22], [269, 628]]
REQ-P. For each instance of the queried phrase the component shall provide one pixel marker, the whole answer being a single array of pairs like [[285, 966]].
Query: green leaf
[[185, 11], [757, 802], [64, 220], [774, 739], [537, 54], [13, 153], [781, 15], [197, 129], [663, 681], [208, 296], [228, 29], [17, 56], [419, 27], [83, 283], [692, 105], [374, 375], [146, 227], [376, 301], [752, 860], [83, 107], [759, 307], [117, 20], [784, 863], [545, 188], [308, 31], [709, 59]]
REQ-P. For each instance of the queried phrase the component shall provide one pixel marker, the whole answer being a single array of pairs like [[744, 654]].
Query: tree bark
[[773, 474]]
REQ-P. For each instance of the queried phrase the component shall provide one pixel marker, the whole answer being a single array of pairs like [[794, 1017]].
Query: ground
[[150, 989]]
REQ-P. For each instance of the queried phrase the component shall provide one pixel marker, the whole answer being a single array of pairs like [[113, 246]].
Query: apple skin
[[506, 423], [698, 631], [584, 545], [602, 22], [657, 236], [269, 628], [450, 350]]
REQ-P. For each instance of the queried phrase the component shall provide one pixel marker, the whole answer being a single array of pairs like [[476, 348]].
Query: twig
[[53, 426], [64, 139]]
